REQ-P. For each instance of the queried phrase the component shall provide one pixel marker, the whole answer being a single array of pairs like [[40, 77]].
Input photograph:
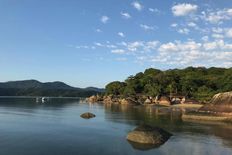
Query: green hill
[[36, 88], [200, 83]]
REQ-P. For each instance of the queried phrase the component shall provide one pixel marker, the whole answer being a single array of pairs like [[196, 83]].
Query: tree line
[[194, 82]]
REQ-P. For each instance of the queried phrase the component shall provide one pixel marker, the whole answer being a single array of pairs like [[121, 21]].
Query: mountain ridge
[[36, 88]]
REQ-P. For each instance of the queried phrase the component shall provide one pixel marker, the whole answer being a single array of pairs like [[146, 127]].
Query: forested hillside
[[36, 88], [199, 83]]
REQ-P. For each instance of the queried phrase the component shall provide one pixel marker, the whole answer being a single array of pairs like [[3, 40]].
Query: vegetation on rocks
[[199, 83]]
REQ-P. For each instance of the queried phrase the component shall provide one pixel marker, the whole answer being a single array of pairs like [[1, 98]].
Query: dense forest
[[36, 88], [200, 83]]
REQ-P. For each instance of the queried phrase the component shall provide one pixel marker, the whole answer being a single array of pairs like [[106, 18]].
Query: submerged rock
[[147, 137], [87, 115]]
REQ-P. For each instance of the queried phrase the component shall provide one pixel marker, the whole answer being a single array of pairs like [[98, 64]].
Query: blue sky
[[92, 42]]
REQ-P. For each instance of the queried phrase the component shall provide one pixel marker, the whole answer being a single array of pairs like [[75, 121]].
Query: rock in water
[[220, 103], [87, 115], [147, 137]]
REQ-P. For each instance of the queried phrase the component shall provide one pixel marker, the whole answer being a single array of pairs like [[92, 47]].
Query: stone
[[145, 134], [221, 103], [88, 115]]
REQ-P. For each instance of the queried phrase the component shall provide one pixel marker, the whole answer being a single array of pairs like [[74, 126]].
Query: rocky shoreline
[[218, 109], [140, 100]]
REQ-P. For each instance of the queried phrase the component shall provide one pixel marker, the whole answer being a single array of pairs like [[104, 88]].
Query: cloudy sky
[[92, 42]]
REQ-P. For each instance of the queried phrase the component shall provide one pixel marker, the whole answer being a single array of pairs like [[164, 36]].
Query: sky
[[93, 42]]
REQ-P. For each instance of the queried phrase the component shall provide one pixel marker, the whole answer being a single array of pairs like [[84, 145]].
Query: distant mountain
[[37, 88], [95, 89]]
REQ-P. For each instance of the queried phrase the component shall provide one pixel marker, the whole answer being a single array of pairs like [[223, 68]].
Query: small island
[[192, 87]]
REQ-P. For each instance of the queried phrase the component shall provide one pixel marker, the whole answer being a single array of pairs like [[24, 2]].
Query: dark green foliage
[[36, 88], [200, 83], [115, 88]]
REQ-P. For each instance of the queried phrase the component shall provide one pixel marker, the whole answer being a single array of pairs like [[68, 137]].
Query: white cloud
[[229, 33], [218, 16], [179, 46], [183, 31], [98, 44], [133, 46], [98, 30], [174, 25], [110, 46], [178, 53], [168, 47], [122, 44], [146, 27], [137, 5], [192, 24], [104, 19], [155, 10], [216, 53], [125, 15], [205, 38], [121, 34], [184, 9], [217, 36], [151, 45], [210, 46], [82, 46], [118, 51], [217, 30]]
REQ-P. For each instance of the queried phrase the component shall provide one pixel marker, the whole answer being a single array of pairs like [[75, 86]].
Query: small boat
[[42, 99]]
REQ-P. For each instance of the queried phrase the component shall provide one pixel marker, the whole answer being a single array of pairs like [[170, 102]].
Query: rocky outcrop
[[94, 98], [118, 100], [109, 99], [148, 101], [164, 100], [147, 135], [222, 99], [128, 101], [87, 115], [221, 103]]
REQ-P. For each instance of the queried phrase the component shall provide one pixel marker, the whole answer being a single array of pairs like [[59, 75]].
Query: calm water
[[55, 128]]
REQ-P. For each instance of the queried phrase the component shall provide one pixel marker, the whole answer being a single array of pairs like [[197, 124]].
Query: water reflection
[[168, 120], [29, 128], [143, 147]]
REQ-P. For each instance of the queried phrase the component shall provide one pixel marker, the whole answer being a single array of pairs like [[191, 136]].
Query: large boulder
[[220, 103], [148, 136], [164, 100], [87, 115]]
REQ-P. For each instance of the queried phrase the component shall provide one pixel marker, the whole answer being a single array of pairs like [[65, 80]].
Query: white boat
[[42, 99]]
